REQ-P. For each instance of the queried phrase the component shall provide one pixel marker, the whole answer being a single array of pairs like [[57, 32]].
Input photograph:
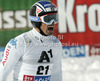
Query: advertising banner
[[79, 25], [79, 21]]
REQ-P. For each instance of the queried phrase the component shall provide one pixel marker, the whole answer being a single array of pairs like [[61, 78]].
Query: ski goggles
[[47, 19]]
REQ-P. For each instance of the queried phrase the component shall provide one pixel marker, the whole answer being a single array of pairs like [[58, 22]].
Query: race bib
[[42, 72]]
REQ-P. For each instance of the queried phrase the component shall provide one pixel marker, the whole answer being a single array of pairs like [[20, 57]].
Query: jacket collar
[[40, 37]]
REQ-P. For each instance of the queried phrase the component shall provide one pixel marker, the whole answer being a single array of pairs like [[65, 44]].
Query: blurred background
[[78, 29]]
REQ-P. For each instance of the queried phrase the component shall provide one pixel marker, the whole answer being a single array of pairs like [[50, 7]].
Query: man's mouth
[[50, 28]]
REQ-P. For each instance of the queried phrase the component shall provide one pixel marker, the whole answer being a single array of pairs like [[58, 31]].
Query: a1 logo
[[44, 56]]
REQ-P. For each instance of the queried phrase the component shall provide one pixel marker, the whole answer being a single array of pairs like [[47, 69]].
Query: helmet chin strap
[[41, 32], [38, 25]]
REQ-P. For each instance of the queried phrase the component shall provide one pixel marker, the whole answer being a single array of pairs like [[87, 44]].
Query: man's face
[[48, 29]]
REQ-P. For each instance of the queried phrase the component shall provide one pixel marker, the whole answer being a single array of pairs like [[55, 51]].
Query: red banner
[[79, 21]]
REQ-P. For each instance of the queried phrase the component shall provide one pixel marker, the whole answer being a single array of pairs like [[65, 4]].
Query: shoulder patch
[[13, 42], [27, 39]]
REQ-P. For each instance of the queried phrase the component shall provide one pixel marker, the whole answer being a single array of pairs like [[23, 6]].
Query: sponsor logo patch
[[38, 10], [6, 56], [28, 78], [36, 78], [13, 42]]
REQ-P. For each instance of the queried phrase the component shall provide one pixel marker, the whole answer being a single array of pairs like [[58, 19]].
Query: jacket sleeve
[[57, 67], [12, 54]]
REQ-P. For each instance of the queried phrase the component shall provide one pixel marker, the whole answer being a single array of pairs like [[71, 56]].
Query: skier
[[35, 55]]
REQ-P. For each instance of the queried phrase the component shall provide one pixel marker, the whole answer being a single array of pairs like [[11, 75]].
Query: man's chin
[[50, 33]]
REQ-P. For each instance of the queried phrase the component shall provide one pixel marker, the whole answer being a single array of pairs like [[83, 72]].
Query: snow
[[81, 69]]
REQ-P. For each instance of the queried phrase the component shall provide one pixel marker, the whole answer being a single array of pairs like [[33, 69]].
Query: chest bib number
[[42, 68], [43, 73]]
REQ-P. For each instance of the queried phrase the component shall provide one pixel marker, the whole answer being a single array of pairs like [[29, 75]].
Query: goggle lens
[[50, 18]]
